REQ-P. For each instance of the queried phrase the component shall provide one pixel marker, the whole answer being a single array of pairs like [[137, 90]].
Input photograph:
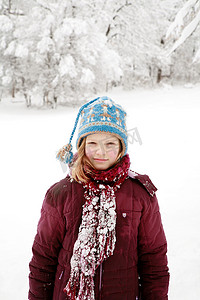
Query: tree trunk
[[13, 90], [9, 5], [159, 75]]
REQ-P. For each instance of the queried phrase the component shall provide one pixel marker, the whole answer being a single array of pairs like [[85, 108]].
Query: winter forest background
[[54, 55], [65, 51]]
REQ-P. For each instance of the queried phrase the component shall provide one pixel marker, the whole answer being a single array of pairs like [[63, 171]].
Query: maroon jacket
[[138, 268]]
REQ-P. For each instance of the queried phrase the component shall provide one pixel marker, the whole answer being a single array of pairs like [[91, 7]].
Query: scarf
[[97, 236]]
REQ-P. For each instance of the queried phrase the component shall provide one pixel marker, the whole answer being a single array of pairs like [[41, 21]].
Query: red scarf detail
[[114, 175]]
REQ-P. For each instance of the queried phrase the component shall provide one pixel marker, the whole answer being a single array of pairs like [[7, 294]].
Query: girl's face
[[102, 150]]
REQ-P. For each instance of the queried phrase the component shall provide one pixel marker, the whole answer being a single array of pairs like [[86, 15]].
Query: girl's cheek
[[113, 153], [89, 152]]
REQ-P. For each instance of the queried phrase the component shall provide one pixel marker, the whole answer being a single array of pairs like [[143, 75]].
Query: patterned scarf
[[97, 237]]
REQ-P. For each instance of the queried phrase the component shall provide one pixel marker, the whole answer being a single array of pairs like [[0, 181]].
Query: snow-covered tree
[[183, 42], [6, 29], [12, 51], [62, 52], [70, 50], [136, 32], [185, 23]]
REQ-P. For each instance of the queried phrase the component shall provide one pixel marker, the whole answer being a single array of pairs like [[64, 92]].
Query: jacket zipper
[[100, 278], [61, 275]]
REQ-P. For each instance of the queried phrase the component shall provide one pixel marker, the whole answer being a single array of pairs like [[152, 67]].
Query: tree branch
[[116, 15]]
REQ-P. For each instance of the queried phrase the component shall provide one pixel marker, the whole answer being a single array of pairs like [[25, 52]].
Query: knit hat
[[99, 115]]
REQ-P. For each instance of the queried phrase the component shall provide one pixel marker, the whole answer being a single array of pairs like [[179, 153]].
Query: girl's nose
[[100, 150]]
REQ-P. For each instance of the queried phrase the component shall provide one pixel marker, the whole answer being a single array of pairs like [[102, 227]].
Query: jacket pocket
[[127, 228], [124, 218]]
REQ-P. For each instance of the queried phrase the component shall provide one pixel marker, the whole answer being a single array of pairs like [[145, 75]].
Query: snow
[[168, 123], [197, 56], [21, 51], [10, 49], [185, 23], [179, 20], [87, 77], [6, 80], [44, 45], [67, 66], [187, 31], [5, 24]]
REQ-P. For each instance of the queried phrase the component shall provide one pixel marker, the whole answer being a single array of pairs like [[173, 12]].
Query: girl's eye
[[91, 143]]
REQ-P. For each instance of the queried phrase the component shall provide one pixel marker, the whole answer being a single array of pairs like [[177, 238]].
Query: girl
[[100, 234]]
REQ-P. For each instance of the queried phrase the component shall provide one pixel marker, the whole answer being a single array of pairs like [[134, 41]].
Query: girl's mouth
[[100, 159]]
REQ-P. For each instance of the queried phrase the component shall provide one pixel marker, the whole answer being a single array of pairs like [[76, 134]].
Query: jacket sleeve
[[46, 247], [152, 258]]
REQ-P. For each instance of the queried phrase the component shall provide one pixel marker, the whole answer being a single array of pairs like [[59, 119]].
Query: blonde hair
[[78, 167], [78, 172]]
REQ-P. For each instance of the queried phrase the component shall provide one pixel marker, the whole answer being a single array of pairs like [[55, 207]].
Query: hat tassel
[[65, 154]]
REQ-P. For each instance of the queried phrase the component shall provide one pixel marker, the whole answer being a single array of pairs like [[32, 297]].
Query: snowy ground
[[168, 123]]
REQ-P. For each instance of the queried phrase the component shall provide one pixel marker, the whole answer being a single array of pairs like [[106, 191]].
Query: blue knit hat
[[99, 115]]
